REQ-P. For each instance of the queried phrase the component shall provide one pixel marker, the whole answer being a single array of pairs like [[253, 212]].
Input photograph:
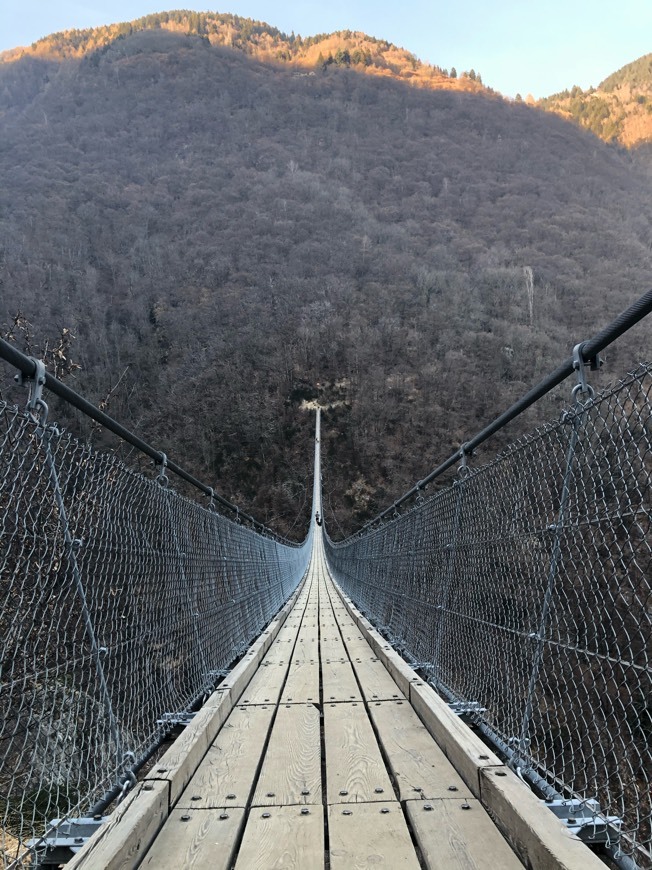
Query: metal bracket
[[585, 820], [463, 469], [579, 365], [163, 479], [172, 720], [63, 839], [465, 709], [35, 382]]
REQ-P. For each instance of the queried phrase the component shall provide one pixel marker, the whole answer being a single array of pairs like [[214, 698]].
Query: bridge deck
[[323, 763]]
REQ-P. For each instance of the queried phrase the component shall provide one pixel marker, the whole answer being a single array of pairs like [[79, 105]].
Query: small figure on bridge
[[318, 519]]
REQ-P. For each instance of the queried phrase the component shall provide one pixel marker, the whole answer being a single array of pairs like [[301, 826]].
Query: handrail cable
[[587, 352], [27, 366]]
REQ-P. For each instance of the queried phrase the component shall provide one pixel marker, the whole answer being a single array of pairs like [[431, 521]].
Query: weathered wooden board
[[302, 685], [265, 686], [179, 763], [121, 843], [283, 838], [368, 836], [338, 681], [464, 749], [226, 775], [356, 645], [535, 833], [376, 683], [197, 840], [402, 674], [355, 769], [459, 835], [291, 772], [418, 765]]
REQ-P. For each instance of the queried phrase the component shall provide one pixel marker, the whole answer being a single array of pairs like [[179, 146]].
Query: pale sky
[[523, 47]]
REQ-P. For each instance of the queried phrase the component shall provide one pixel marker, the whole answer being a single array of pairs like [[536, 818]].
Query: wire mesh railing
[[122, 602], [524, 592]]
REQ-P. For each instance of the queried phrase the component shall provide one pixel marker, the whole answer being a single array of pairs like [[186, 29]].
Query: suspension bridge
[[465, 682]]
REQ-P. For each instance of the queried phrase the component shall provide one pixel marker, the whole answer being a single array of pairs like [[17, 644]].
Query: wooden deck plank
[[464, 749], [375, 681], [302, 685], [225, 776], [291, 772], [356, 645], [338, 682], [418, 765], [283, 838], [355, 769], [197, 840], [459, 835], [131, 829], [369, 836], [265, 686]]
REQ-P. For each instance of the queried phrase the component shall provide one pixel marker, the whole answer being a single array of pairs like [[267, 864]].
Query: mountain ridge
[[619, 110], [344, 48]]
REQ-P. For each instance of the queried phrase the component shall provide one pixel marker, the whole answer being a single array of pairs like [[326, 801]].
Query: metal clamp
[[463, 469], [173, 720], [163, 479], [63, 839], [586, 820], [36, 406], [579, 365]]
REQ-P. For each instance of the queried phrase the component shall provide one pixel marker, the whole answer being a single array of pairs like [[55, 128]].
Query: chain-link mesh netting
[[121, 602], [526, 586]]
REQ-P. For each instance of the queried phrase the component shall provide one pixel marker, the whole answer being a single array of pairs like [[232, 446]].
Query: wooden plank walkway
[[323, 750], [323, 763]]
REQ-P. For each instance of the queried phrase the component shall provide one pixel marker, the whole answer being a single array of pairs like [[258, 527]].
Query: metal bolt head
[[501, 773], [147, 786], [385, 810], [224, 816], [347, 812], [305, 811], [271, 794], [452, 788], [305, 791], [79, 839], [161, 769], [427, 806], [185, 817], [230, 797], [343, 791], [466, 806], [484, 757], [196, 797], [379, 790]]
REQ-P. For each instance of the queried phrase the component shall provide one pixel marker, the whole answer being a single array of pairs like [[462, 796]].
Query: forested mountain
[[619, 109], [263, 42], [229, 239]]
